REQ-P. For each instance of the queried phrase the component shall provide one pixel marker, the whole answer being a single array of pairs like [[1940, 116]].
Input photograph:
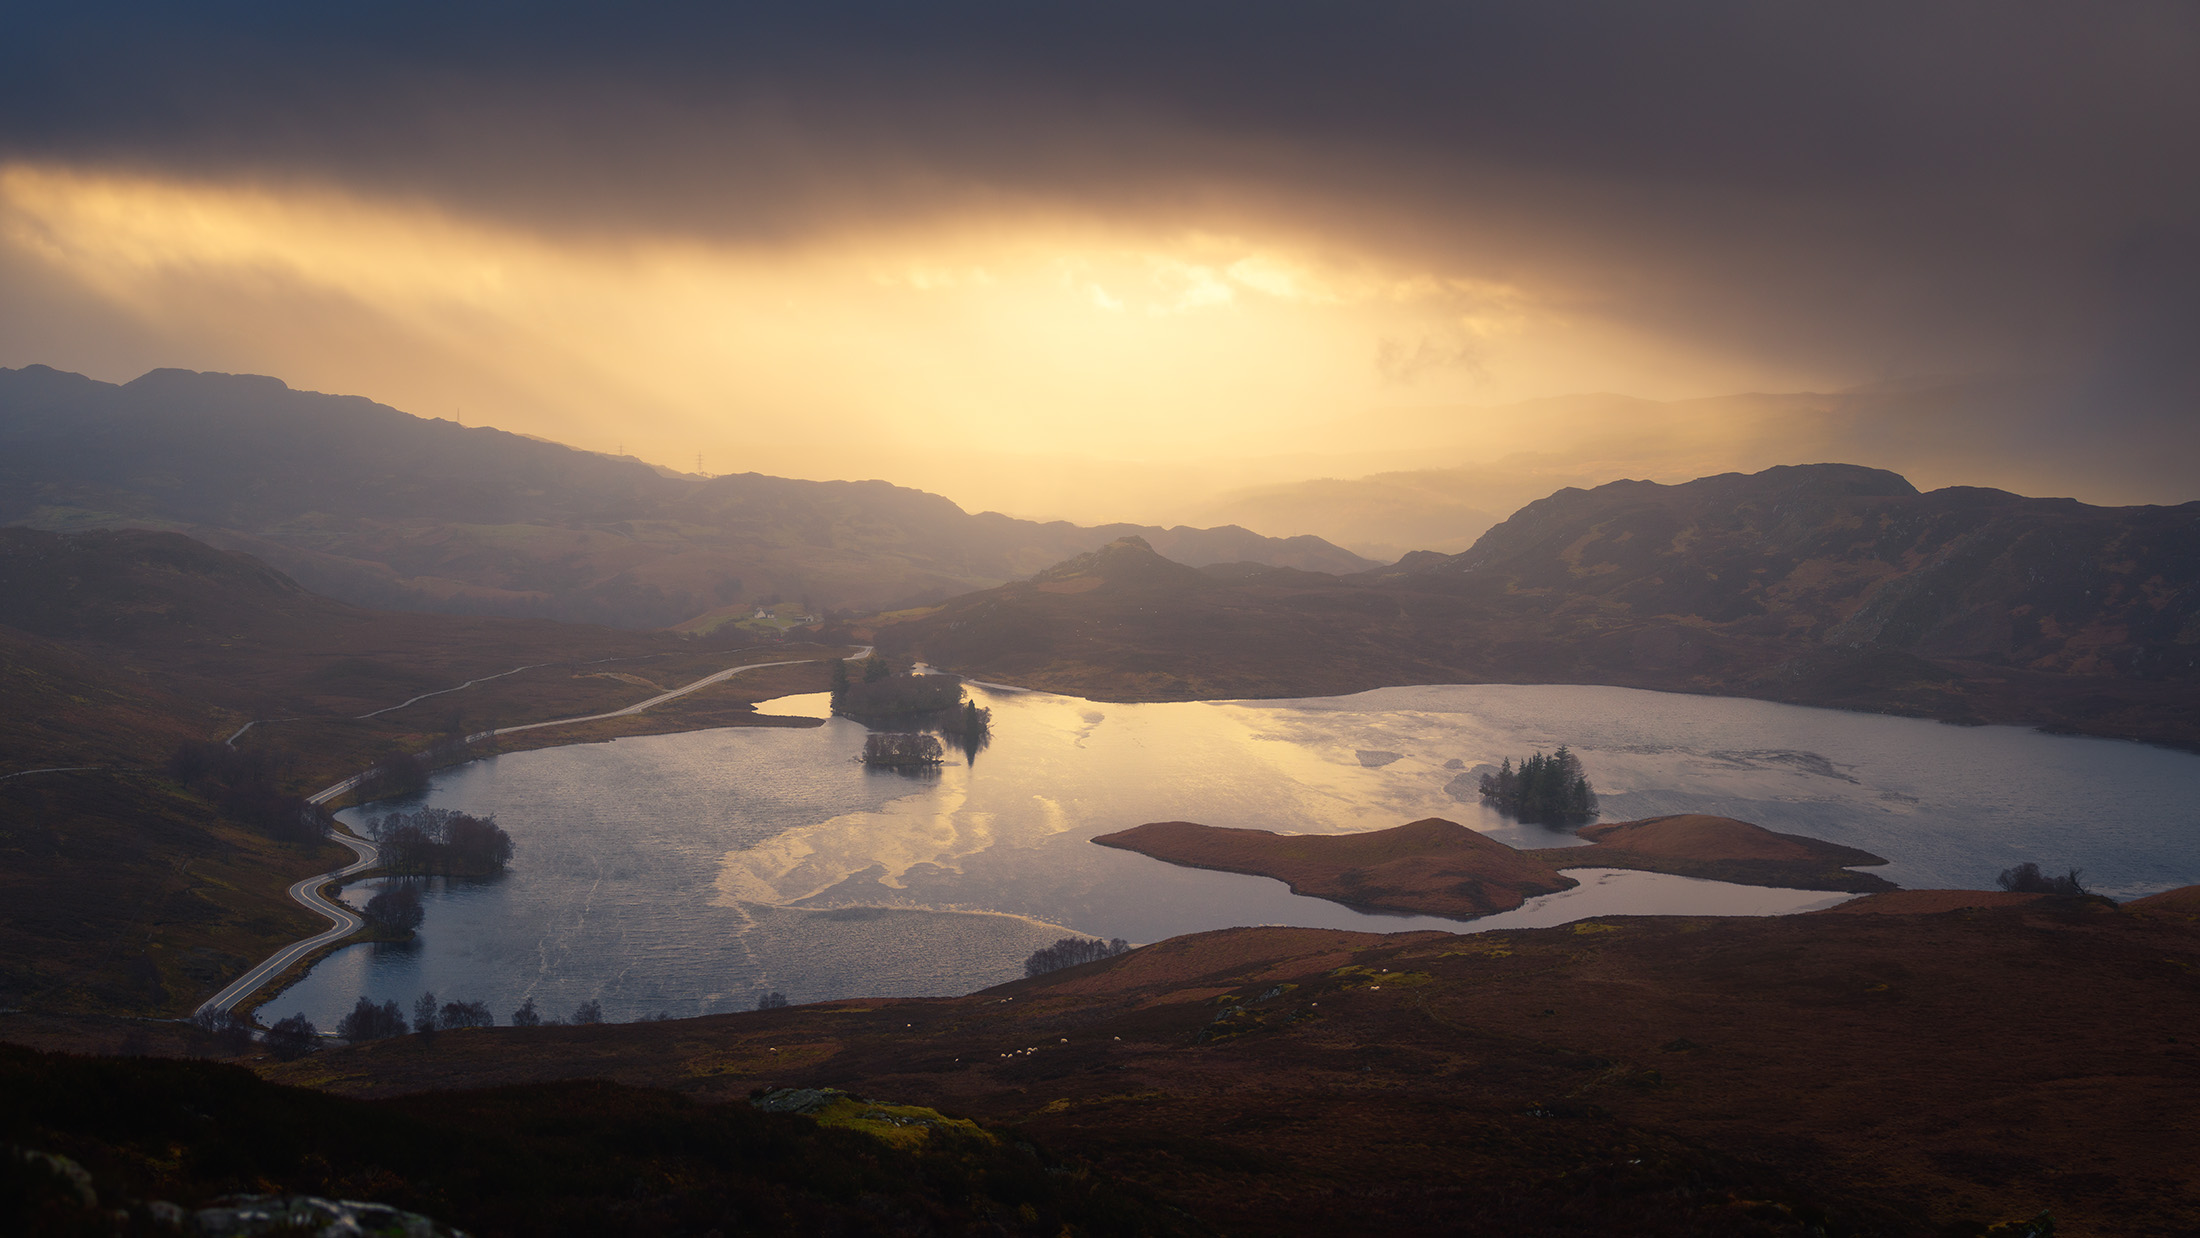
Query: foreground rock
[[49, 1194], [1432, 867]]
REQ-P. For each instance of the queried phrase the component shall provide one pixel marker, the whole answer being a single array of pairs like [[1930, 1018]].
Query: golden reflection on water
[[1060, 765]]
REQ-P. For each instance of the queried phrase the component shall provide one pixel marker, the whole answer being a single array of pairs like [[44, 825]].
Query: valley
[[1374, 1062]]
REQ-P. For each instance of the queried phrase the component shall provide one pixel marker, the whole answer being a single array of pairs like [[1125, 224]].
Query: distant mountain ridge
[[1855, 557], [1823, 584], [377, 507]]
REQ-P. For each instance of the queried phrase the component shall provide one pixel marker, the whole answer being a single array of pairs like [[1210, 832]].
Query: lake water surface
[[688, 873]]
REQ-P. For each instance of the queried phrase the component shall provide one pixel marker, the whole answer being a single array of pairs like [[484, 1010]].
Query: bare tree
[[456, 1015], [368, 1021], [293, 1038]]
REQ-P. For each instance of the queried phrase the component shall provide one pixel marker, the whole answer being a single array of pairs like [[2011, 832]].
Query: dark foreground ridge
[[1894, 1073], [575, 1157]]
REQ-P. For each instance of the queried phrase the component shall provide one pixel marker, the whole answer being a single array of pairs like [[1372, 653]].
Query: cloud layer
[[1403, 203]]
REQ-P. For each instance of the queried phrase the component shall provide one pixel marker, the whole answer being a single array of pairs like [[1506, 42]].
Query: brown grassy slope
[[228, 629], [126, 895], [1720, 849], [2182, 901], [1432, 867], [60, 707], [1829, 585], [184, 641], [1903, 1072], [124, 892]]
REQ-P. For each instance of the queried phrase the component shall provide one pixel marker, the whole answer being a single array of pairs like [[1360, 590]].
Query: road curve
[[862, 652], [345, 921], [308, 894]]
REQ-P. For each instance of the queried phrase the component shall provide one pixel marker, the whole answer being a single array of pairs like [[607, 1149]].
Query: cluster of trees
[[404, 773], [774, 1000], [292, 1038], [918, 702], [1545, 790], [395, 909], [288, 1040], [246, 784], [971, 727], [1071, 951], [371, 1021], [441, 841], [875, 668], [899, 696], [399, 773], [902, 749], [232, 1032], [2026, 878], [368, 1021]]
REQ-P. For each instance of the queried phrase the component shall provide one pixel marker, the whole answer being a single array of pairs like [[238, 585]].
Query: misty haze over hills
[[1825, 584], [1404, 479], [374, 506]]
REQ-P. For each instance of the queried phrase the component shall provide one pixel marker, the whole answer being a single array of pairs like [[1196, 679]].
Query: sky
[[1162, 262]]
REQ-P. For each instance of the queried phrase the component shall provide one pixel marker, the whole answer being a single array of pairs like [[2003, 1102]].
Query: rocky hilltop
[[1823, 584], [1847, 557]]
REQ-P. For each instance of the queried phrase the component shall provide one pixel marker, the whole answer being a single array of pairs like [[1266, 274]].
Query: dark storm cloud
[[1866, 189]]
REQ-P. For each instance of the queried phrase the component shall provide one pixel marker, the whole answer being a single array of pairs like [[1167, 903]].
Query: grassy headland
[[1432, 867], [1440, 868]]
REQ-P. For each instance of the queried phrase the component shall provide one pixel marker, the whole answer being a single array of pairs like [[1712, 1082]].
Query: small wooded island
[[1441, 868]]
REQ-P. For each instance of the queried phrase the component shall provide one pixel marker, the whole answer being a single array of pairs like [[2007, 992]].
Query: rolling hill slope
[[376, 507], [1826, 584]]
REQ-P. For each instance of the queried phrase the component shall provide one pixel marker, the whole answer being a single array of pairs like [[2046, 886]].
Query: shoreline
[[345, 923]]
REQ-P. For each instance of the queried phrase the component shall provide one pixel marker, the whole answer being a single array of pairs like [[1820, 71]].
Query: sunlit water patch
[[689, 873]]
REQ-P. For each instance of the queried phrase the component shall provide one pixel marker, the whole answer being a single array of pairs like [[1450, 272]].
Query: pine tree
[[1546, 790]]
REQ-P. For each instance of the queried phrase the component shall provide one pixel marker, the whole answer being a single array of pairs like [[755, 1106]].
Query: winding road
[[343, 920], [307, 893]]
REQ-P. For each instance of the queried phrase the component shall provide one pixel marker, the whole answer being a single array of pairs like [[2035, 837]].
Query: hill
[[1432, 867], [574, 1158], [1866, 1074], [1436, 867], [1721, 849], [373, 506], [174, 629], [1825, 584], [129, 890]]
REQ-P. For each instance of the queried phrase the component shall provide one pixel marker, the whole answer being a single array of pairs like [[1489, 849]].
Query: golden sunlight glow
[[919, 354]]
